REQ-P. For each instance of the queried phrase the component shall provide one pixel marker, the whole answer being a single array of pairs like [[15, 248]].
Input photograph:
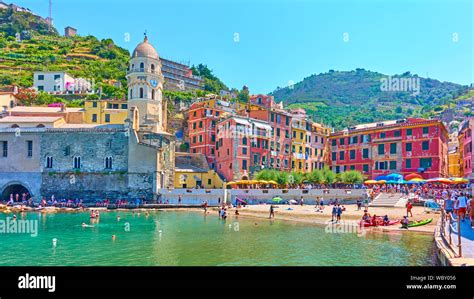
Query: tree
[[282, 178], [352, 177], [315, 176], [329, 176], [295, 178]]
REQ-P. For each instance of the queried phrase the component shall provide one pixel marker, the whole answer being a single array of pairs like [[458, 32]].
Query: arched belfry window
[[141, 92], [142, 67], [108, 162], [152, 94], [152, 68]]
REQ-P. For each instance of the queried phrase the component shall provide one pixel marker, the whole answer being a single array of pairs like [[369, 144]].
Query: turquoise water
[[192, 239]]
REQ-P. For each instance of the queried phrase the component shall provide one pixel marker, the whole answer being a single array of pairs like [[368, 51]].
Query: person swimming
[[86, 225]]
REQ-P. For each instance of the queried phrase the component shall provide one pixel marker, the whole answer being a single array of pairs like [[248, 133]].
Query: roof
[[43, 109], [145, 49], [391, 124], [29, 119]]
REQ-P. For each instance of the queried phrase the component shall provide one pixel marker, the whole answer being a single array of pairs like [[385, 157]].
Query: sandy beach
[[308, 214]]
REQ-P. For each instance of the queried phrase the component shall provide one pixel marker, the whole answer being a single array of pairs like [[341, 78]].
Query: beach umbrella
[[277, 199], [381, 178], [459, 180], [382, 181], [272, 182], [412, 176], [416, 180], [231, 183], [371, 182], [394, 177]]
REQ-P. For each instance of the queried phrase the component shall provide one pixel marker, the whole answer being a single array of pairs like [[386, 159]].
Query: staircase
[[389, 200]]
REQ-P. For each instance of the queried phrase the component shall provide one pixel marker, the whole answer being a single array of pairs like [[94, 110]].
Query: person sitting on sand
[[386, 221], [374, 220], [404, 222], [237, 212]]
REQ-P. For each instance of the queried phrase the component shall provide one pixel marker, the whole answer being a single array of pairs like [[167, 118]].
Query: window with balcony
[[397, 133], [409, 132], [352, 154], [408, 147], [341, 155], [334, 156], [341, 141], [426, 130], [365, 168]]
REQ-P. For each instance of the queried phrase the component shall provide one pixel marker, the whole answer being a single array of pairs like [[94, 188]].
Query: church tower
[[145, 89]]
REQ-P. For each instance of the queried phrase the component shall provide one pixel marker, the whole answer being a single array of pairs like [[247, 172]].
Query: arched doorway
[[14, 188]]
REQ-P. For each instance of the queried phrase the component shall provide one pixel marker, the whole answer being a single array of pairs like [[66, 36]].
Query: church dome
[[145, 49]]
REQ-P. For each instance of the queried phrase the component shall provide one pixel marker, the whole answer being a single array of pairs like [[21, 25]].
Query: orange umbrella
[[412, 176]]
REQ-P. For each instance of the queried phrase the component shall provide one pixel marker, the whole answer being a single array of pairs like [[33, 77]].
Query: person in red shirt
[[409, 207]]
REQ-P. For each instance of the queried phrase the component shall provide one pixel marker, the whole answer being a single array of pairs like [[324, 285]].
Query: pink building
[[242, 147], [465, 146]]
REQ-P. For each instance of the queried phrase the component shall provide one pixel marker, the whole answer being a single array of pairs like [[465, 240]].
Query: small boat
[[419, 222], [379, 223]]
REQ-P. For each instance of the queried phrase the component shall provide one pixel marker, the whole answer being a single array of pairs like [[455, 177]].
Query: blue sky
[[268, 43]]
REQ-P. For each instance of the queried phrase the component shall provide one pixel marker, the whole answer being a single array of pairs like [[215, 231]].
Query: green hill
[[346, 98], [42, 49]]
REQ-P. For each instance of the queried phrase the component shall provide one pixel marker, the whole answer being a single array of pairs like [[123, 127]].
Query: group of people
[[459, 204]]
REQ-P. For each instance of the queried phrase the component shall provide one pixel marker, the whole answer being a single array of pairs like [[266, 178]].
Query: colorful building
[[280, 142], [109, 111], [202, 126], [192, 171], [465, 147], [318, 146], [300, 129], [243, 147], [402, 146]]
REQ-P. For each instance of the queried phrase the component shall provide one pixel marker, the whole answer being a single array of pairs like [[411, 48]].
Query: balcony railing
[[142, 70]]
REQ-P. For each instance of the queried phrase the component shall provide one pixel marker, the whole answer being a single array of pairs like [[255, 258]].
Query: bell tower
[[145, 89]]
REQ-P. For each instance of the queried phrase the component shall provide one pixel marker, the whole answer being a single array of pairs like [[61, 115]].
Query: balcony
[[142, 70]]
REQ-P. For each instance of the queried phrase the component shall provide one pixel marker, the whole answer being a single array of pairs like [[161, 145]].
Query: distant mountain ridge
[[345, 98]]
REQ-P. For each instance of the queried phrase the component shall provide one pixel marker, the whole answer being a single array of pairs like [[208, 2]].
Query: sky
[[266, 44]]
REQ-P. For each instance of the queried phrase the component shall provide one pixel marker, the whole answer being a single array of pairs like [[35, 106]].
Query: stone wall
[[90, 145], [256, 196]]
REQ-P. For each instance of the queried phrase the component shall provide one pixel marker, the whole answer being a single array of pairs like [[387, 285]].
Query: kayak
[[379, 223], [420, 222]]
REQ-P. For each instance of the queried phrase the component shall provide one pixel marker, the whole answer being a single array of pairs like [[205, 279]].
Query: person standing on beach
[[301, 201], [409, 206], [272, 212], [339, 213], [334, 213], [462, 206], [179, 200]]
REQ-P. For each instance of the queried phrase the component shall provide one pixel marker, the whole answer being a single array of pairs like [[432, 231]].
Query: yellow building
[[105, 111], [455, 164], [298, 144], [192, 171]]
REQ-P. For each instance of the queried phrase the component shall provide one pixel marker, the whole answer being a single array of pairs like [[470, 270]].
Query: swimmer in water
[[118, 218], [113, 237], [14, 217], [86, 225]]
